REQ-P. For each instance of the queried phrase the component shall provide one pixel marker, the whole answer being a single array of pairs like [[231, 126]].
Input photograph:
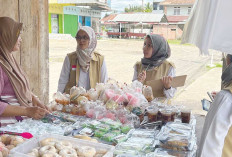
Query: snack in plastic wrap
[[111, 105], [86, 131], [145, 141], [142, 133], [147, 92], [61, 98], [172, 153], [130, 146], [125, 128], [119, 139], [108, 137], [118, 152], [103, 127], [94, 124], [75, 92], [137, 86], [111, 123], [99, 133], [93, 94]]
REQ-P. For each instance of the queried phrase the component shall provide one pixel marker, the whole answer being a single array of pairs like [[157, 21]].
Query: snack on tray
[[108, 137]]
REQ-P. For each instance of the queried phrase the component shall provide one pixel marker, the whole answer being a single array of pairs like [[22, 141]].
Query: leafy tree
[[131, 8]]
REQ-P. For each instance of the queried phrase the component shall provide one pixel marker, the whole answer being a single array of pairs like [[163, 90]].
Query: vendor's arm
[[220, 125], [104, 74], [141, 77], [32, 112], [169, 91], [64, 75], [37, 102]]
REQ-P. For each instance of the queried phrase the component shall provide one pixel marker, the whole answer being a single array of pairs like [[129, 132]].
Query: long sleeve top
[[168, 93], [217, 124], [83, 81]]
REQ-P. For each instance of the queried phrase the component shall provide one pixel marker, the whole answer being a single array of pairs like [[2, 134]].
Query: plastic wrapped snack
[[126, 128], [142, 133], [93, 94], [111, 105], [75, 92], [111, 123], [99, 133], [137, 86], [118, 152], [178, 143], [61, 98], [103, 127], [147, 92], [130, 146], [119, 139], [94, 124], [87, 132], [145, 141], [108, 137], [173, 153], [160, 154]]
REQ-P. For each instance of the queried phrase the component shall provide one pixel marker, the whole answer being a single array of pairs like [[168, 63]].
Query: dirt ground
[[121, 55]]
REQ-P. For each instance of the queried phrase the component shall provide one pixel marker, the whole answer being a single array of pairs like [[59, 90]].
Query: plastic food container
[[26, 147]]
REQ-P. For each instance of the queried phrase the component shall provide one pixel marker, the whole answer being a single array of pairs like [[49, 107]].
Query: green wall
[[60, 24], [70, 24]]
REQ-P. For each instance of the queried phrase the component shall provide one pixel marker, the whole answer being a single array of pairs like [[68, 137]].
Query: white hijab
[[84, 56]]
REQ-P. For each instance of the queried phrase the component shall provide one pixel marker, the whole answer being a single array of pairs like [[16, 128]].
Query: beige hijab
[[85, 56], [9, 33]]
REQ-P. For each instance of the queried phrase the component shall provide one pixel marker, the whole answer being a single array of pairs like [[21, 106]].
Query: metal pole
[[120, 30]]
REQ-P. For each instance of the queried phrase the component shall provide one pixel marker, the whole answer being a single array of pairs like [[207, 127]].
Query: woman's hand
[[214, 93], [38, 103], [36, 112], [167, 81], [142, 76]]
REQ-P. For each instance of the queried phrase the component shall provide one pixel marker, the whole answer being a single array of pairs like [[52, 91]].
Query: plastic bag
[[137, 86], [93, 94], [61, 98], [147, 92], [75, 92]]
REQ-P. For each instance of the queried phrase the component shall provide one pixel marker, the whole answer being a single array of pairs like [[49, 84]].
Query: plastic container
[[152, 114], [26, 147], [166, 116], [185, 115]]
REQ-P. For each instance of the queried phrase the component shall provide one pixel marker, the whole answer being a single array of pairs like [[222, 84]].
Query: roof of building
[[178, 2], [108, 19], [176, 19], [140, 17]]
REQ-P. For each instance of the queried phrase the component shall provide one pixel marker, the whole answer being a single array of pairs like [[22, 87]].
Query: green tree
[[131, 8]]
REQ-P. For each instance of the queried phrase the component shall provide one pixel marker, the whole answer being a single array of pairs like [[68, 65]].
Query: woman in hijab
[[16, 98], [83, 67], [154, 66], [216, 137]]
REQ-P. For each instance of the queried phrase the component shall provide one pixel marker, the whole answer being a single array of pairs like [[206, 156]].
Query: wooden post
[[34, 54]]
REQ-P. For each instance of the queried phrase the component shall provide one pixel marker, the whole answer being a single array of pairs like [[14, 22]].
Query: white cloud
[[121, 4]]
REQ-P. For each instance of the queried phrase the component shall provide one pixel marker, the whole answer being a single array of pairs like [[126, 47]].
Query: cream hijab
[[9, 33], [85, 56]]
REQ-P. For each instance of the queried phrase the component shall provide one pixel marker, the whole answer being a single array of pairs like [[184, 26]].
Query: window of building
[[155, 6], [176, 10], [189, 10], [161, 7]]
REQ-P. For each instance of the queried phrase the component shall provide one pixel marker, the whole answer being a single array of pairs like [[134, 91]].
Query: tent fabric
[[210, 26]]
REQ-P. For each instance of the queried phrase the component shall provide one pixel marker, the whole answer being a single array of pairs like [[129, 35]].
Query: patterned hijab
[[9, 33], [161, 51], [85, 56]]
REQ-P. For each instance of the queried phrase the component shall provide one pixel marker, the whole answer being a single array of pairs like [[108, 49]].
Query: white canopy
[[210, 26]]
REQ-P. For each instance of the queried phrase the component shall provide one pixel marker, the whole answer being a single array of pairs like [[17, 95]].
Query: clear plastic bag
[[142, 133], [93, 94], [147, 92], [61, 98], [173, 153], [75, 92], [131, 146]]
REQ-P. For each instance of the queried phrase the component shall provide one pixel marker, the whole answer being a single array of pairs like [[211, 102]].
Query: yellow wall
[[57, 8]]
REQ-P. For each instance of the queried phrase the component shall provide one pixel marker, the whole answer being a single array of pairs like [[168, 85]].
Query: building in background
[[66, 16]]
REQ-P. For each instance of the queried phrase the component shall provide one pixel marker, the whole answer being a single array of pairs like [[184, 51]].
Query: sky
[[121, 4]]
